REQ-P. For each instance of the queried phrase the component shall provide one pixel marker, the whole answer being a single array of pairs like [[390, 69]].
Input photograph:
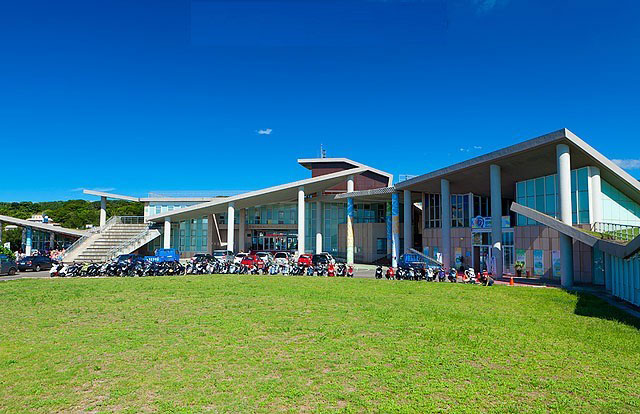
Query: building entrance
[[274, 240]]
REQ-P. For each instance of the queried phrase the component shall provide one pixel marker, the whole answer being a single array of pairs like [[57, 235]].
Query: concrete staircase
[[121, 235]]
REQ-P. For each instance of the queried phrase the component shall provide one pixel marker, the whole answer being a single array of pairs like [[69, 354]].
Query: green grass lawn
[[300, 344]]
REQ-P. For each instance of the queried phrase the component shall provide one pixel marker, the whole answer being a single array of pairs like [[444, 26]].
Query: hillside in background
[[75, 214]]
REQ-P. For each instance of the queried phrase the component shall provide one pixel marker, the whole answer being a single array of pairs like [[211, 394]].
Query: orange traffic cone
[[511, 281]]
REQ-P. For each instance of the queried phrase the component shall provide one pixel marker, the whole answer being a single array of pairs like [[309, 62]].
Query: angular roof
[[280, 193], [533, 158], [42, 226], [309, 162]]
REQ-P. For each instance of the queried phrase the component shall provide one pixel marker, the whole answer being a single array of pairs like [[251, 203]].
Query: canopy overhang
[[42, 226], [533, 158], [277, 194]]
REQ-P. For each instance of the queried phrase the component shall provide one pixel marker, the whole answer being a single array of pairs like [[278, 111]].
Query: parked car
[[252, 259], [225, 256], [7, 265], [239, 257], [266, 257], [35, 263], [282, 258], [201, 257], [322, 258], [305, 260], [131, 258], [411, 260]]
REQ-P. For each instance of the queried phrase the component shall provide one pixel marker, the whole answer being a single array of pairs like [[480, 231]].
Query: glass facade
[[541, 194], [334, 215], [618, 208], [463, 208], [41, 241]]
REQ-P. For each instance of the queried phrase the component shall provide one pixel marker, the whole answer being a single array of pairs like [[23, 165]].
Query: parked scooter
[[453, 275], [379, 272]]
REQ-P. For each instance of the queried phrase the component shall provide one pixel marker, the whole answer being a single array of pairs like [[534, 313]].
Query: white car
[[282, 258], [225, 256], [238, 259], [266, 257]]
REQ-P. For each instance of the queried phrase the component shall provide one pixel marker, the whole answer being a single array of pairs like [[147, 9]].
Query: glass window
[[539, 186], [530, 188], [381, 246]]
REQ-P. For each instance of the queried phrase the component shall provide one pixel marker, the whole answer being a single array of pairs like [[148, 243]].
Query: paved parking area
[[24, 275]]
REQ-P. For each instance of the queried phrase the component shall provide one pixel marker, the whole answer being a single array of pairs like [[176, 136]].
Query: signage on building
[[480, 222], [538, 262], [555, 263]]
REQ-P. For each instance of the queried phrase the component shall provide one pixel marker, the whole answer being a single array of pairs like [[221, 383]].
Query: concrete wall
[[529, 238], [365, 237], [543, 238]]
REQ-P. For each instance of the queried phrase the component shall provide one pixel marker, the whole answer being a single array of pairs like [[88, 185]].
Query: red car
[[252, 259], [305, 260]]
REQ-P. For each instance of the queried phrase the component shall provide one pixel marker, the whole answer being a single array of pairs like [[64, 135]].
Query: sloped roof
[[42, 226], [280, 193], [532, 158]]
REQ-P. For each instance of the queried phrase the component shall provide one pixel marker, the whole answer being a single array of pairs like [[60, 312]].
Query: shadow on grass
[[595, 307]]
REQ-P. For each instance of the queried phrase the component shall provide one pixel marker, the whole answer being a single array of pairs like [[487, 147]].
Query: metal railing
[[129, 219], [144, 233], [95, 230], [613, 231]]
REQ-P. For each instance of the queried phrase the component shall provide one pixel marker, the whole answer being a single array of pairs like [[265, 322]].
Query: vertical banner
[[349, 230], [555, 263], [521, 256], [458, 257], [538, 262], [395, 229], [388, 223]]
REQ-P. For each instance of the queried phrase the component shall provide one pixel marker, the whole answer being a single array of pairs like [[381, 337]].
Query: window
[[432, 211], [381, 246]]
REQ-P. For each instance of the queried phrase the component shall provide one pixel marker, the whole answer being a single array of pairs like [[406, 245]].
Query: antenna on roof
[[323, 152]]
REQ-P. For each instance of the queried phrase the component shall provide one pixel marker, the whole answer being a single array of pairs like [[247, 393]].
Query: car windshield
[[29, 258], [281, 256]]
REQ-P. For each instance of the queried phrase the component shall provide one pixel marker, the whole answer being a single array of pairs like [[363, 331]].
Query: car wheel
[[12, 271], [37, 268]]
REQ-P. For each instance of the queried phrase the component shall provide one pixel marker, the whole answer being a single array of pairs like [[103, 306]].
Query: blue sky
[[136, 96]]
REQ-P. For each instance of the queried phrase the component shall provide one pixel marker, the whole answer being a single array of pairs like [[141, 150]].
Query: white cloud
[[469, 149], [629, 164], [485, 6], [266, 131]]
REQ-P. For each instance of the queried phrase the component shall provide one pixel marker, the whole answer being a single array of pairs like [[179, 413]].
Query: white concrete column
[[445, 202], [408, 225], [564, 210], [595, 195], [231, 218], [318, 227], [167, 233], [27, 243], [103, 211], [301, 222], [350, 184], [241, 229], [496, 217], [52, 240]]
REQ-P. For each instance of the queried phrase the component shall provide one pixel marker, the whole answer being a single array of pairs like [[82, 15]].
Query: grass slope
[[265, 344]]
